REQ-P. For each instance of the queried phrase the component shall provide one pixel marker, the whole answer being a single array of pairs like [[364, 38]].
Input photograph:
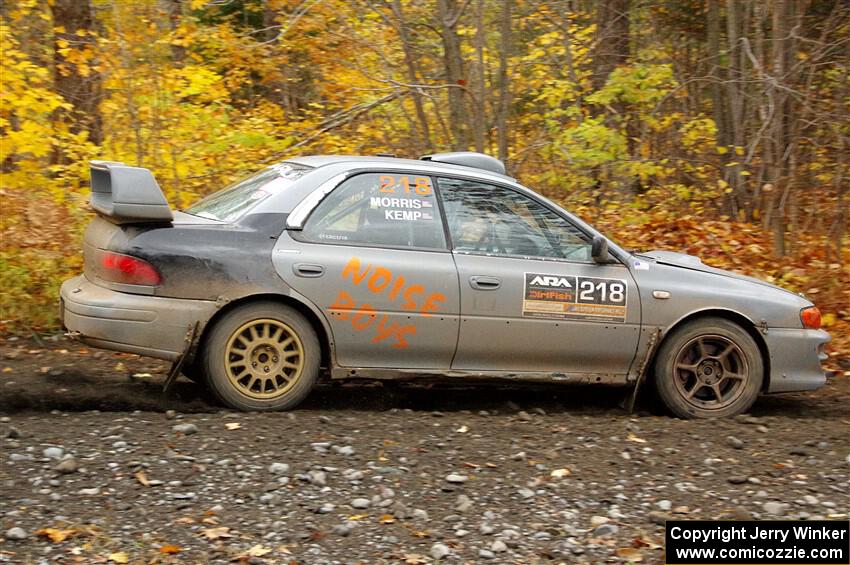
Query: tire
[[262, 357], [708, 368]]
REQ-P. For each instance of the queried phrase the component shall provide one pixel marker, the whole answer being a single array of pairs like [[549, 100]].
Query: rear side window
[[234, 201], [495, 220], [380, 209]]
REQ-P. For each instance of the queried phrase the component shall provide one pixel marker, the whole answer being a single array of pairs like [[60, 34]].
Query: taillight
[[810, 317], [116, 267]]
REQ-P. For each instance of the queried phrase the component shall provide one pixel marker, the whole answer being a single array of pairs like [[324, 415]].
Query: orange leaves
[[56, 535]]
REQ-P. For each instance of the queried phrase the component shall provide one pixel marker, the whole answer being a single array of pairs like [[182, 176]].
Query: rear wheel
[[262, 356], [709, 368]]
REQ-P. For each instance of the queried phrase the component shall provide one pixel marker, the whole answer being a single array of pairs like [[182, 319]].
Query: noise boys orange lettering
[[382, 281]]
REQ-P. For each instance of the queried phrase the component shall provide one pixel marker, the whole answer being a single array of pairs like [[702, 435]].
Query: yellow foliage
[[223, 88]]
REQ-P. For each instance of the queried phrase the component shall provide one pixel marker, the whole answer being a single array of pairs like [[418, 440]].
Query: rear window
[[234, 201]]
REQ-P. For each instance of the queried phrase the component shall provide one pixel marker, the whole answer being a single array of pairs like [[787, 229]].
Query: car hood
[[694, 263]]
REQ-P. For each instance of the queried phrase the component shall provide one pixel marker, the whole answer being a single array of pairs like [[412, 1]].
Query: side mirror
[[599, 249]]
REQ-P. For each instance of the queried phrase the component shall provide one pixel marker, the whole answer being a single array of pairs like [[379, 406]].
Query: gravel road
[[98, 466]]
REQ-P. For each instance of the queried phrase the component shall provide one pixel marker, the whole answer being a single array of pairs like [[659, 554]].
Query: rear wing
[[127, 195]]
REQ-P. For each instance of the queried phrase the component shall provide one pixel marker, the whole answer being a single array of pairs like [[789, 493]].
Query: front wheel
[[262, 356], [709, 368]]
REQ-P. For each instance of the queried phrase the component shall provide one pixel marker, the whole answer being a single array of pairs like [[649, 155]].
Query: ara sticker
[[641, 265], [574, 297]]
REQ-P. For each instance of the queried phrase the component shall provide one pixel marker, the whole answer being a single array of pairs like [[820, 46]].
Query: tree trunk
[[174, 12], [784, 18], [505, 49], [479, 125], [82, 89], [449, 14], [735, 97], [716, 73], [612, 39], [423, 134]]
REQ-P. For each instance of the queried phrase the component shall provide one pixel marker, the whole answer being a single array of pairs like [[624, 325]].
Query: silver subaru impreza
[[384, 268]]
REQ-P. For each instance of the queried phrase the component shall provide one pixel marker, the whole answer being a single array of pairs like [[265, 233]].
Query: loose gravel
[[371, 475]]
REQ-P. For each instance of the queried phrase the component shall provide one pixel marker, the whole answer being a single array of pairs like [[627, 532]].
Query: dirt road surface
[[97, 466]]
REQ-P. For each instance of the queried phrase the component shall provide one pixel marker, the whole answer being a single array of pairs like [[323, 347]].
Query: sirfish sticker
[[574, 297]]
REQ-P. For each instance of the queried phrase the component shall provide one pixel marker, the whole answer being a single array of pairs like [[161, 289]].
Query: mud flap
[[177, 366], [651, 346]]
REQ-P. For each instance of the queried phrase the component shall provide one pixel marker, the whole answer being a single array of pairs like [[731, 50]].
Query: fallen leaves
[[56, 535], [170, 549], [255, 551], [560, 473], [630, 554], [233, 425], [634, 438], [142, 478], [119, 557], [216, 533]]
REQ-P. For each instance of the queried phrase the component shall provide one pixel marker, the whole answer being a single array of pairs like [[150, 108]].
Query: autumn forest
[[719, 128]]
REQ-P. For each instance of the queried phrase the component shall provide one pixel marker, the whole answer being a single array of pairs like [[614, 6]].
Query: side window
[[394, 210], [485, 218]]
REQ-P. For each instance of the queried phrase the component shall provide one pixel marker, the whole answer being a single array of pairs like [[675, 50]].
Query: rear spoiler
[[127, 195]]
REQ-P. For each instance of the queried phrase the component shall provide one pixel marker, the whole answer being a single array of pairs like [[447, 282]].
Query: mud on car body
[[443, 267]]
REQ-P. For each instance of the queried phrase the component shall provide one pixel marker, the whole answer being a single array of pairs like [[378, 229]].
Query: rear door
[[532, 299], [373, 257]]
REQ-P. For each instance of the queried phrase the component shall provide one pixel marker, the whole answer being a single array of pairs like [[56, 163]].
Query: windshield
[[236, 200]]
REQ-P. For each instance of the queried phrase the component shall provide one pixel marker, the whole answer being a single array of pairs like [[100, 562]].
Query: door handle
[[308, 270], [483, 282]]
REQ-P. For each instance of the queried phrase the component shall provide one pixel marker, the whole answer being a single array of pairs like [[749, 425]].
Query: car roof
[[384, 161]]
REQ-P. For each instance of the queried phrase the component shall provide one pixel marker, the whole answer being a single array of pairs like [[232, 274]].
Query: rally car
[[384, 268]]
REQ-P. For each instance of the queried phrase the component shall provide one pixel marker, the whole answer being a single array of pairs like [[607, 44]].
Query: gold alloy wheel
[[264, 359]]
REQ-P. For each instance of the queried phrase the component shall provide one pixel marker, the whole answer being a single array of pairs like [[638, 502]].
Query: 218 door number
[[601, 291]]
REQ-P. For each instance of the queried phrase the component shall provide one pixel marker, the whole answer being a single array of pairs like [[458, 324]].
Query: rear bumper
[[795, 358], [147, 325]]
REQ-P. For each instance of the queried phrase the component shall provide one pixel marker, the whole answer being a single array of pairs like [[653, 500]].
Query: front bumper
[[795, 358], [147, 325]]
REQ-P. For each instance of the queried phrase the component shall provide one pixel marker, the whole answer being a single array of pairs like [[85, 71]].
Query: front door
[[373, 257], [532, 299]]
